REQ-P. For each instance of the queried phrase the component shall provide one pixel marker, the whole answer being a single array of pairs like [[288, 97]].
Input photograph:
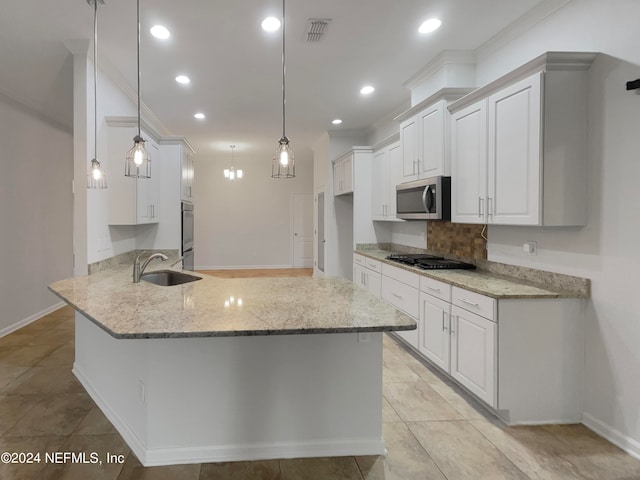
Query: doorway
[[302, 230]]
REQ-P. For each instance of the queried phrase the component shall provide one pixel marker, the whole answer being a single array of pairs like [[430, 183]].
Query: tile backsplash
[[462, 240]]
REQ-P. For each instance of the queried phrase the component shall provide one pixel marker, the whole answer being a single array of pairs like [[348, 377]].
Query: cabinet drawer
[[436, 288], [401, 296], [404, 276], [375, 265], [474, 302], [359, 259]]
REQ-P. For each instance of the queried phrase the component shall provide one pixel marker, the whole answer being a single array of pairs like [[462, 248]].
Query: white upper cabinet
[[518, 146], [343, 174], [431, 145], [387, 173], [424, 130], [187, 176], [409, 145], [132, 201]]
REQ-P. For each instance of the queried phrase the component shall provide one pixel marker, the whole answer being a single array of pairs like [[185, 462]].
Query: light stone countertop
[[269, 306], [482, 281]]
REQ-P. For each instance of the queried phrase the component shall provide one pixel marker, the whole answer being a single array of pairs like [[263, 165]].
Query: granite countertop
[[487, 283], [214, 306]]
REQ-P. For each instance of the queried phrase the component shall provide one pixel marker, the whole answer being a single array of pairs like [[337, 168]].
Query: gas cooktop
[[429, 262]]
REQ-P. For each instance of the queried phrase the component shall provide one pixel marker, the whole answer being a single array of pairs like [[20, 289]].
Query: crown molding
[[447, 94], [385, 142], [444, 58], [548, 61], [177, 141]]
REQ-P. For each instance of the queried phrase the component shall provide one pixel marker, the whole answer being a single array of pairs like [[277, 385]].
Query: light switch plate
[[530, 248]]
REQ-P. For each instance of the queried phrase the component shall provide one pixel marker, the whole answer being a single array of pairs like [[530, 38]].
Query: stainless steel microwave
[[425, 199]]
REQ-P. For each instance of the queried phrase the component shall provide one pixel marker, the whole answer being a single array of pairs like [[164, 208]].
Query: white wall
[[36, 205], [246, 223], [606, 249]]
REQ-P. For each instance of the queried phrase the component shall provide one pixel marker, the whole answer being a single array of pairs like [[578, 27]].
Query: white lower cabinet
[[523, 357], [473, 353], [366, 274], [435, 317], [460, 342]]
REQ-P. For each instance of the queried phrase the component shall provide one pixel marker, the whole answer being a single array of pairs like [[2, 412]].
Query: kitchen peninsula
[[233, 369]]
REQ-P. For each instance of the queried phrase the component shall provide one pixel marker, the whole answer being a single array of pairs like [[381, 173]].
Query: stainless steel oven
[[187, 236], [425, 199]]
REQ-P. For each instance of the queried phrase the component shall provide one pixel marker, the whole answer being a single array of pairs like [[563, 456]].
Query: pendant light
[[138, 163], [96, 177], [283, 165], [230, 173]]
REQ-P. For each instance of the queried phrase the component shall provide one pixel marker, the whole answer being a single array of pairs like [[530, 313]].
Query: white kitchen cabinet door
[[347, 165], [380, 186], [473, 353], [373, 281], [469, 163], [359, 276], [395, 178], [432, 141], [187, 176], [514, 163], [409, 144], [434, 330]]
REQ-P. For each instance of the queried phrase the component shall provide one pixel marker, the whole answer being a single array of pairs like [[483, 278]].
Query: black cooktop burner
[[429, 262]]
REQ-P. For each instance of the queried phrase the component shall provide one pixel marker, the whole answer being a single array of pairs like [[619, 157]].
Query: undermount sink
[[168, 278]]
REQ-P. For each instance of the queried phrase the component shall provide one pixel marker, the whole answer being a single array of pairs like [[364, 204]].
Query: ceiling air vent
[[316, 28]]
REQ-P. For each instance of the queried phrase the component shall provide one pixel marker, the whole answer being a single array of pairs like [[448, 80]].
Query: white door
[[302, 230], [434, 332], [408, 142], [514, 154], [320, 240], [432, 141], [473, 353], [380, 187], [469, 163]]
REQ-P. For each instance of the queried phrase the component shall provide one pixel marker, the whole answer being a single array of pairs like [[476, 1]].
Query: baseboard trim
[[129, 436], [30, 319], [235, 453], [626, 443], [228, 453]]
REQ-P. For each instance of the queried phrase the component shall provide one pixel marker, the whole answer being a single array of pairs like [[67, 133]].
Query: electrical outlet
[[530, 248], [364, 337]]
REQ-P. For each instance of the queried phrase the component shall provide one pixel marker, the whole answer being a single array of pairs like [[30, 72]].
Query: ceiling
[[235, 66]]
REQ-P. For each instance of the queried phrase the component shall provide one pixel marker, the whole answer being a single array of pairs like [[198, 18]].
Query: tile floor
[[432, 429]]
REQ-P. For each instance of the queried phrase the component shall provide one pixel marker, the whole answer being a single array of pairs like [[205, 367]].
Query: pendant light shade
[[96, 177], [138, 160], [284, 162], [231, 173]]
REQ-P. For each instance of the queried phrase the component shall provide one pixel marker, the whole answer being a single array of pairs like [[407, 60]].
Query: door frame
[[316, 271]]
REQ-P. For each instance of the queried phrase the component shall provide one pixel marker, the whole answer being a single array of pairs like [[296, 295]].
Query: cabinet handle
[[444, 328], [433, 289], [469, 303], [396, 295], [451, 330], [489, 206], [480, 202]]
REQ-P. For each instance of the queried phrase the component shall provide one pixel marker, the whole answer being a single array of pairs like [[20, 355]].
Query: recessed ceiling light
[[183, 79], [430, 25], [337, 121], [160, 31], [270, 24], [367, 90], [199, 116]]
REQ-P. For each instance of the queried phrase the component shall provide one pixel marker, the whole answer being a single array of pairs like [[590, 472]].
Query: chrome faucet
[[139, 270]]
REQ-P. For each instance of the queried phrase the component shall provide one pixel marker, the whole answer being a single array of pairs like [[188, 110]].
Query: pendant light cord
[[95, 79], [138, 50], [283, 73]]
